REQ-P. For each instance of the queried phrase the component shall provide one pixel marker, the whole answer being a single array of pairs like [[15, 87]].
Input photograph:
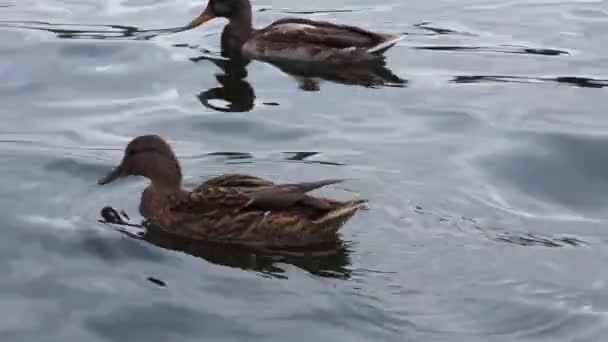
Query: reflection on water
[[326, 11], [232, 155], [300, 157], [539, 240], [438, 30], [304, 157], [239, 95], [325, 261], [506, 49], [88, 31], [157, 281], [234, 89], [583, 82], [521, 238], [328, 260], [371, 75]]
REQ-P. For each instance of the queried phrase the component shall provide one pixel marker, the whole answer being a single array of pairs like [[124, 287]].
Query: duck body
[[232, 208], [303, 40], [294, 39], [221, 213]]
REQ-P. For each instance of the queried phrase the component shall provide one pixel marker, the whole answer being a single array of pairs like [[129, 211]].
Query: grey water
[[486, 169]]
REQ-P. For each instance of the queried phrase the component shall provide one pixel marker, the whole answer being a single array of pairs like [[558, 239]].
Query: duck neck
[[164, 172], [157, 198], [238, 30], [167, 181], [166, 188], [242, 20]]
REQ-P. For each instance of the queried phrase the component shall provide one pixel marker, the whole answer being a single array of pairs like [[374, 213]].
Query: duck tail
[[310, 186], [333, 220], [381, 48]]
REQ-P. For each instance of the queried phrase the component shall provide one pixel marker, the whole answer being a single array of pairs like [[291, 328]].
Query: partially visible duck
[[233, 208], [293, 39]]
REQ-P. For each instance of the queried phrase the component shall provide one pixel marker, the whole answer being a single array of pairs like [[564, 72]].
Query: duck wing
[[235, 180], [322, 33], [284, 196], [271, 197], [303, 40]]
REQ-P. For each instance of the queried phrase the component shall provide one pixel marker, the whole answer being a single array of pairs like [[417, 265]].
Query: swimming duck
[[232, 208], [293, 39]]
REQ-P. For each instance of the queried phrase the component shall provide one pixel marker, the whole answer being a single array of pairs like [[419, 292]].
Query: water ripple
[[480, 144]]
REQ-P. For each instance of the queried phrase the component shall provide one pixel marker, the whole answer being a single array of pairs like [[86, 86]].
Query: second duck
[[232, 208], [294, 39]]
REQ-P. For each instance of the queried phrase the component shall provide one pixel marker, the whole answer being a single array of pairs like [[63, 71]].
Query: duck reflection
[[329, 260], [239, 95], [234, 89], [373, 74]]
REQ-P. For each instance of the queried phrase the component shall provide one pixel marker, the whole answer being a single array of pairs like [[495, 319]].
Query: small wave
[[499, 234], [59, 223], [439, 30], [499, 49], [575, 81], [88, 31], [529, 239], [298, 157], [320, 11]]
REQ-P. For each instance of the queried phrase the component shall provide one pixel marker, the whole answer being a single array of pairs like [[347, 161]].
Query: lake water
[[486, 171]]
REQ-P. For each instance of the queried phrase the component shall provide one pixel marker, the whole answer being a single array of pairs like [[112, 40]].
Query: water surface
[[486, 171]]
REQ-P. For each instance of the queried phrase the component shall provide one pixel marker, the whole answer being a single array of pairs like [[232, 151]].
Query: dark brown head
[[229, 9], [149, 156]]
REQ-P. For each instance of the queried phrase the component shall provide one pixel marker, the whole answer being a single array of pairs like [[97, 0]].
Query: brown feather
[[237, 180], [322, 33]]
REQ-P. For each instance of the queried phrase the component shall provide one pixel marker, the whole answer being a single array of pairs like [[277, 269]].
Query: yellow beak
[[203, 18]]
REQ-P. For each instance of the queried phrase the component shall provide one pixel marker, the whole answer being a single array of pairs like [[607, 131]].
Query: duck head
[[229, 9], [151, 157]]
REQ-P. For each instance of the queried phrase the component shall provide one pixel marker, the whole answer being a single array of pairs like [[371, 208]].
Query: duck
[[231, 208], [293, 39]]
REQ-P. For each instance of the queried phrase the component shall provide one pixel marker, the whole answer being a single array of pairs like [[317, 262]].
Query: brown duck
[[294, 39], [231, 208]]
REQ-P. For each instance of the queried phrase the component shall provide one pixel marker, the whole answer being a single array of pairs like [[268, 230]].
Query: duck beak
[[112, 176], [207, 15]]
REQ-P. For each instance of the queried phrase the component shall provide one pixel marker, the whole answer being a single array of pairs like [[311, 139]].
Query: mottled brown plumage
[[232, 208], [294, 39]]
